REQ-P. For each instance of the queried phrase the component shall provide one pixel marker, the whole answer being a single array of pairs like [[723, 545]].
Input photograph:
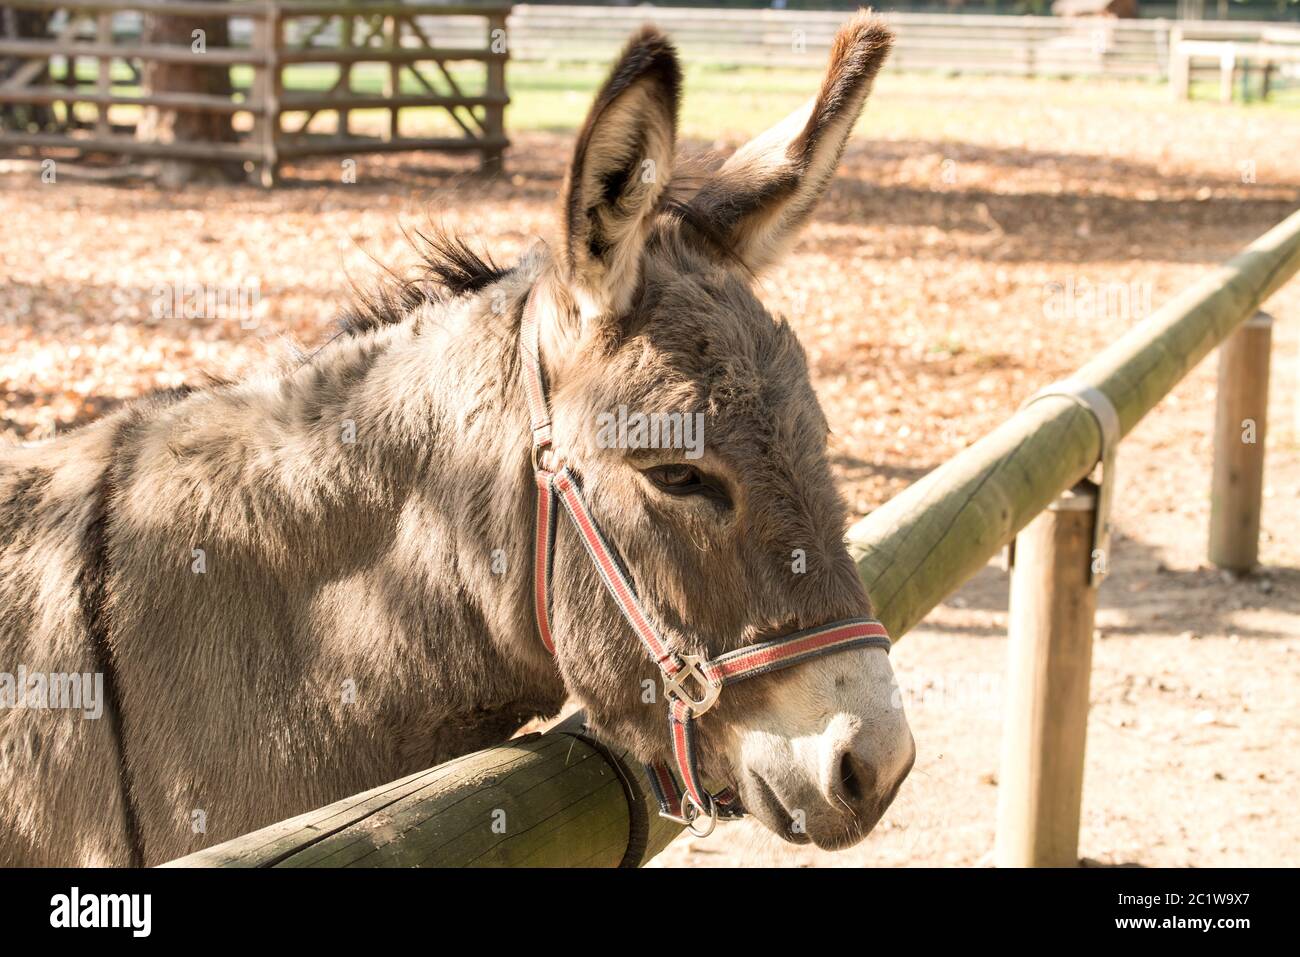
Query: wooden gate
[[302, 78]]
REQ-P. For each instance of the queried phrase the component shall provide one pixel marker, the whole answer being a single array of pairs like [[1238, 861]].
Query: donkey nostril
[[849, 780], [855, 779]]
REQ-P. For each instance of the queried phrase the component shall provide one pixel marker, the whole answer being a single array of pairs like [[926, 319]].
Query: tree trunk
[[162, 125]]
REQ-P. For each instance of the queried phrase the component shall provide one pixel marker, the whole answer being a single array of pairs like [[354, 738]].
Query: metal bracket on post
[[1103, 411]]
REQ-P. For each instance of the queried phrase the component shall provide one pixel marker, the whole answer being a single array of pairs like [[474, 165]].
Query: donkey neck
[[405, 454], [470, 490]]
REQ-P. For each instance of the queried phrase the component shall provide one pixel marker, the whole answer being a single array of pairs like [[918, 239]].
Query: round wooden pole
[[1237, 490], [552, 800], [1051, 622]]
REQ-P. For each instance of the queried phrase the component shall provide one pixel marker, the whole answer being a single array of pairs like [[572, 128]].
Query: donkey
[[303, 585]]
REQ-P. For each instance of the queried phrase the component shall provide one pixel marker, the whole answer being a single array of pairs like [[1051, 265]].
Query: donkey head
[[649, 323]]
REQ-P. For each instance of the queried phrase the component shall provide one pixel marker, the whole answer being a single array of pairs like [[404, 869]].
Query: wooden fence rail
[[558, 798], [562, 799]]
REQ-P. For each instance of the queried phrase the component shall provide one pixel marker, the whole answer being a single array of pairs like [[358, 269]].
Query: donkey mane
[[449, 267]]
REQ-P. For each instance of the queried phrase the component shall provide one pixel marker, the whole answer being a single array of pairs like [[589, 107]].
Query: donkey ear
[[621, 164], [761, 197]]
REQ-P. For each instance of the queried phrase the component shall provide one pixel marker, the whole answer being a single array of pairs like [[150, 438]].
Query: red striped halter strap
[[692, 684]]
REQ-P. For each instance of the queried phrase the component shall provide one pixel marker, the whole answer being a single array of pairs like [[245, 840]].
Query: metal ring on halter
[[538, 452], [690, 818]]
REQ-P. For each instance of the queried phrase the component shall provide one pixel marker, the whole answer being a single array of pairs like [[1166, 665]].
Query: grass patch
[[721, 100]]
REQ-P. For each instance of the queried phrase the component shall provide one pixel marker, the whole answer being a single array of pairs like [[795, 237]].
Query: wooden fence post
[[1053, 604], [347, 42], [268, 87], [494, 124], [1227, 69], [393, 80], [1180, 66], [104, 78], [1237, 488]]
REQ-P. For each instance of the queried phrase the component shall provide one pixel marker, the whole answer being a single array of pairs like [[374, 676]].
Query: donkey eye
[[686, 480], [675, 478]]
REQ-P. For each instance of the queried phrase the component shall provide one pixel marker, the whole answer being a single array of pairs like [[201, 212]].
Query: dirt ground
[[944, 280]]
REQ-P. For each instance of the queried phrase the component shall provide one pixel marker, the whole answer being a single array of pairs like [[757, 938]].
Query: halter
[[692, 683]]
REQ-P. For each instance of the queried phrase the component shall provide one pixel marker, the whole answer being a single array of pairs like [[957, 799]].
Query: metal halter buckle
[[691, 669]]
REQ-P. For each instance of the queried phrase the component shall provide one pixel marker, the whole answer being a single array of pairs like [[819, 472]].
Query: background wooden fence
[[303, 69], [563, 799], [299, 60], [949, 43]]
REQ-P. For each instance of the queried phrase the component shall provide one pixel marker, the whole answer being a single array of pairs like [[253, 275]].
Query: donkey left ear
[[760, 198], [621, 164]]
